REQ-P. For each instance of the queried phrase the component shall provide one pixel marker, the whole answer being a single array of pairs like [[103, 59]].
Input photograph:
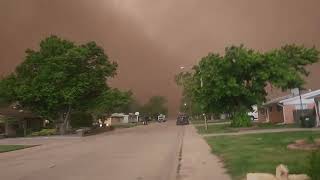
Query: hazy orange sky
[[151, 39]]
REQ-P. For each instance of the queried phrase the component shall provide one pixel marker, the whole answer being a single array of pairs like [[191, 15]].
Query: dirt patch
[[303, 144]]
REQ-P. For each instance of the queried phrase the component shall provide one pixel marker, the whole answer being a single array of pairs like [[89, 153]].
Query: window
[[262, 111], [270, 109]]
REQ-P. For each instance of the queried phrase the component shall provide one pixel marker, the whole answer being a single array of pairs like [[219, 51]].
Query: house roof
[[278, 99], [118, 115], [309, 95], [10, 112], [290, 98]]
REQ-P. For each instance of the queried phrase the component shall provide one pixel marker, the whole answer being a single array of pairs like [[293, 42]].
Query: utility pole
[[301, 104], [201, 85], [205, 117]]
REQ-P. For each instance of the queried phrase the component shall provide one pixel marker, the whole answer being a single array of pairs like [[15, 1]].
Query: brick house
[[23, 121], [281, 110]]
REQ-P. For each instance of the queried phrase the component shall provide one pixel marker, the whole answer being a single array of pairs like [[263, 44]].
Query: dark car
[[182, 120]]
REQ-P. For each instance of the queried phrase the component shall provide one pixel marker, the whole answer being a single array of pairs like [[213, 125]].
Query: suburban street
[[153, 152]]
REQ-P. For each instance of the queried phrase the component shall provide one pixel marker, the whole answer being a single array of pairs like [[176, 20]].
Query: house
[[2, 125], [285, 109], [16, 122], [117, 118]]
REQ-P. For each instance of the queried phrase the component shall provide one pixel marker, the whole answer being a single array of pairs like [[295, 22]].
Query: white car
[[161, 118], [253, 114]]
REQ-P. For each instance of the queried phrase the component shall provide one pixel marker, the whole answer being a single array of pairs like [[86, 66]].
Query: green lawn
[[216, 128], [7, 148], [260, 152], [225, 128], [274, 126]]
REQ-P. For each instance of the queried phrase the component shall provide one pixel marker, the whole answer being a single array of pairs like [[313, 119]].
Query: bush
[[81, 119], [314, 165], [44, 132], [240, 119]]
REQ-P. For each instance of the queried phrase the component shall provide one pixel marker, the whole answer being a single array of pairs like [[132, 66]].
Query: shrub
[[81, 119], [44, 132], [314, 165], [240, 119]]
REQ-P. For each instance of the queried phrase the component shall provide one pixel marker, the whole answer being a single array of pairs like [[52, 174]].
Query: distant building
[[117, 118]]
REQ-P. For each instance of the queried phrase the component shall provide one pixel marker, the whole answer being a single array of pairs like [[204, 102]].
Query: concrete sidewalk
[[197, 163], [262, 131]]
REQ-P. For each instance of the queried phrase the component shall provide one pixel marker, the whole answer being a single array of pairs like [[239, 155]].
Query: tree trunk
[[65, 126]]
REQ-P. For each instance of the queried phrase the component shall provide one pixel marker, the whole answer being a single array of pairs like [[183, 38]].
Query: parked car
[[161, 118], [182, 119]]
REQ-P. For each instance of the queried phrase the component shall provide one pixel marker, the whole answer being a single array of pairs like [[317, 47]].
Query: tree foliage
[[188, 101], [109, 101], [59, 77], [235, 81], [156, 105]]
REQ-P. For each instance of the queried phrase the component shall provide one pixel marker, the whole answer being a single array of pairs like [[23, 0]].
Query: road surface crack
[[181, 137]]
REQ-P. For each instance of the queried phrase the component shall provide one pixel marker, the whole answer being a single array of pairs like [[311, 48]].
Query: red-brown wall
[[276, 114]]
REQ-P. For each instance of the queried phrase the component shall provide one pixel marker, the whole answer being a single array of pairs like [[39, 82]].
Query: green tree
[[59, 77], [234, 82], [156, 105], [109, 101], [188, 102]]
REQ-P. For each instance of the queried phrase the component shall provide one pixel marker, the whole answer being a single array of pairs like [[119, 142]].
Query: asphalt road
[[141, 153]]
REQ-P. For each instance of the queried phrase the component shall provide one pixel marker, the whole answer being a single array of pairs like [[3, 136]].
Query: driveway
[[143, 153]]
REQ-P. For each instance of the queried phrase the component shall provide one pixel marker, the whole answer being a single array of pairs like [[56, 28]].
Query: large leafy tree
[[232, 83], [59, 77]]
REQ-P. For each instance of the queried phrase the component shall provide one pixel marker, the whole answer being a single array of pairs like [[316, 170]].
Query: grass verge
[[225, 128], [201, 121], [7, 148], [260, 152]]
